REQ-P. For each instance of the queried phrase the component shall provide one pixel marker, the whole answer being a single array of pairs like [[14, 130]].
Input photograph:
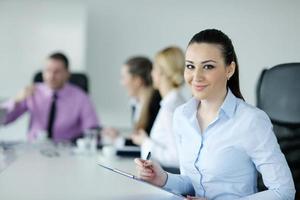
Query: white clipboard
[[128, 175]]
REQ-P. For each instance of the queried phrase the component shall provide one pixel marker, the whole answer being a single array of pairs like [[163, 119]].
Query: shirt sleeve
[[179, 184], [88, 116], [13, 110], [262, 146]]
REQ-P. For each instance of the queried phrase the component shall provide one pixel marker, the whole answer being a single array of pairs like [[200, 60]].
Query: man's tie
[[52, 113]]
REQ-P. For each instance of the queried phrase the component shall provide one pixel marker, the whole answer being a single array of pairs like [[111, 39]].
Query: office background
[[99, 35]]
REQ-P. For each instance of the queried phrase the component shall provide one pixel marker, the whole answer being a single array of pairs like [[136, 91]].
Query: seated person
[[136, 79], [223, 142], [167, 75], [56, 107]]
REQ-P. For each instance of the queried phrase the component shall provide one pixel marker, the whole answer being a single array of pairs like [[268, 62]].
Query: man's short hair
[[61, 57]]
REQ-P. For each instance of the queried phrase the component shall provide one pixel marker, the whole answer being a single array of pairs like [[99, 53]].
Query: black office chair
[[278, 94], [79, 79]]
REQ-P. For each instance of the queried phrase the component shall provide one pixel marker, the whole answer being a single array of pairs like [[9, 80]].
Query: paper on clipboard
[[131, 176]]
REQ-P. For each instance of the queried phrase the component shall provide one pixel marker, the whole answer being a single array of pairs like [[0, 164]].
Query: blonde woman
[[167, 75]]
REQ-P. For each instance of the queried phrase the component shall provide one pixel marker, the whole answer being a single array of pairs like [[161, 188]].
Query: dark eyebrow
[[203, 62], [206, 61], [189, 61]]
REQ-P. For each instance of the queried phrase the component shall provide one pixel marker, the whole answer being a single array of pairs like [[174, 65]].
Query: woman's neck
[[165, 88], [143, 94], [208, 110], [211, 107]]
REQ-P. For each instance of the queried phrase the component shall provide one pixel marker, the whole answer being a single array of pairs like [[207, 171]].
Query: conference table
[[50, 172]]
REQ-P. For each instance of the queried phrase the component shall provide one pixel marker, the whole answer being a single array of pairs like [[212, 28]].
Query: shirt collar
[[133, 101], [228, 106], [59, 92], [168, 98], [190, 108]]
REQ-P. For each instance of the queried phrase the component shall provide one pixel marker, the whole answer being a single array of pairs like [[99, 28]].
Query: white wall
[[29, 32], [265, 33]]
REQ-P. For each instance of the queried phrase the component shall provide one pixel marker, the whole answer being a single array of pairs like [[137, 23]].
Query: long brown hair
[[219, 38], [141, 67]]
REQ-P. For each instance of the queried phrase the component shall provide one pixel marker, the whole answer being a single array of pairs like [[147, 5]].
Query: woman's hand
[[139, 137], [110, 133], [151, 172]]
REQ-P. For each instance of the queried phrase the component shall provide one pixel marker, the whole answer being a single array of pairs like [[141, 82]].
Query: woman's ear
[[230, 69]]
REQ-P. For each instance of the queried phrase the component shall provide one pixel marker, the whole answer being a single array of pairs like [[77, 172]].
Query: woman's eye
[[208, 67], [188, 66]]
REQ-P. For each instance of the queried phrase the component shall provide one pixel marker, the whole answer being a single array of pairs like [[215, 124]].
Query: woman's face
[[206, 72], [131, 83], [156, 75]]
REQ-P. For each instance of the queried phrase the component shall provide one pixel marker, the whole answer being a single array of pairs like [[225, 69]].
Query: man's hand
[[26, 92]]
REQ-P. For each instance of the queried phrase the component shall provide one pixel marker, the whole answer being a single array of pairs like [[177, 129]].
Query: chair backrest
[[278, 93], [79, 79]]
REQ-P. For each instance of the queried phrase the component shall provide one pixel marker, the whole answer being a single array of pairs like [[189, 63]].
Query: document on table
[[131, 176]]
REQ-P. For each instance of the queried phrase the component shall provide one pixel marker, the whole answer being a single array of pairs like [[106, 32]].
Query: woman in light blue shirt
[[222, 141]]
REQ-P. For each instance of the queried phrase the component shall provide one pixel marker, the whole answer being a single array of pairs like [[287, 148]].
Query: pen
[[148, 156]]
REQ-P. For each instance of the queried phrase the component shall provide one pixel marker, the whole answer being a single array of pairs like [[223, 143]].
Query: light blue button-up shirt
[[222, 162]]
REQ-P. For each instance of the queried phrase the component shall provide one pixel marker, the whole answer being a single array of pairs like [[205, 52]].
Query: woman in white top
[[222, 141], [167, 75]]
